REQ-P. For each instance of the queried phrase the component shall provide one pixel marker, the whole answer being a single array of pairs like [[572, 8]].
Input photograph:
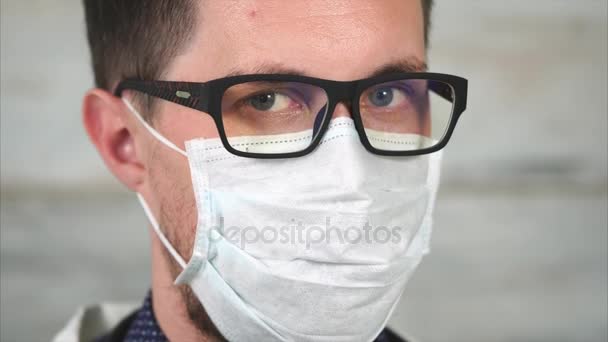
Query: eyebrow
[[268, 68], [410, 64]]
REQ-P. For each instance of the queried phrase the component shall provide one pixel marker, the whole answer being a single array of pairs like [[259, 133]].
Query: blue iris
[[381, 97], [263, 102]]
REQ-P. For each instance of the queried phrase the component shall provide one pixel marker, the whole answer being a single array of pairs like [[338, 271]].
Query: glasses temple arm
[[192, 95]]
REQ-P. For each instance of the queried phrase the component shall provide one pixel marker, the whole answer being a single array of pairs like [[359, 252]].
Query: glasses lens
[[272, 117], [406, 115]]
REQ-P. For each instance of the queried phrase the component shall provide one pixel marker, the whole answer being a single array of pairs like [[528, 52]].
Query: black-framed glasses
[[284, 116]]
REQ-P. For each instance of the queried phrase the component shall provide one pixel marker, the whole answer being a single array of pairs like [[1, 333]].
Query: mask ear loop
[[141, 199], [160, 234], [152, 131]]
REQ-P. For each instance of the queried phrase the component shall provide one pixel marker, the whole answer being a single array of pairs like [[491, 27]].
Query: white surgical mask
[[315, 248]]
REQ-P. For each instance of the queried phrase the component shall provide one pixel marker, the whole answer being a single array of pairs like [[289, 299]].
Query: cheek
[[170, 172], [426, 126], [172, 188], [180, 124], [425, 119]]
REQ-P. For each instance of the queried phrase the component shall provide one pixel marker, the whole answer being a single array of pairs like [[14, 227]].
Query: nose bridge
[[342, 109]]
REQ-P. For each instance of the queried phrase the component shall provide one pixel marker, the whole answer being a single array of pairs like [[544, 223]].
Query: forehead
[[333, 39]]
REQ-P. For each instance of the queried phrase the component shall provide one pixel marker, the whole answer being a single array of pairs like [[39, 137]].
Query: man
[[285, 153]]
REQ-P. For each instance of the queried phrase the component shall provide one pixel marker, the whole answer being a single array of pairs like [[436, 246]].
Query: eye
[[271, 101], [386, 97]]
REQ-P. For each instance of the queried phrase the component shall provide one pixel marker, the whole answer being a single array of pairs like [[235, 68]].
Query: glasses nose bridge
[[343, 92]]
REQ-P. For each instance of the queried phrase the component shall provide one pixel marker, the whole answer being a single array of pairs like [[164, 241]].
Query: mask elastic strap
[[160, 234], [152, 131]]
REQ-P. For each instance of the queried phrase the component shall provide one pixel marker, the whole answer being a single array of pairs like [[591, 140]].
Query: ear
[[111, 130]]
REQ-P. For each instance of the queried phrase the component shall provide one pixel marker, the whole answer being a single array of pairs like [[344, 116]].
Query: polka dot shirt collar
[[144, 327]]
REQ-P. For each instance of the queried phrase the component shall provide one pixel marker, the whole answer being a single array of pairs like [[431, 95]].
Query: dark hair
[[139, 38], [136, 38]]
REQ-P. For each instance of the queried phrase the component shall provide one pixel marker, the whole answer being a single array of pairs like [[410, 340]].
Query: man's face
[[337, 40]]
